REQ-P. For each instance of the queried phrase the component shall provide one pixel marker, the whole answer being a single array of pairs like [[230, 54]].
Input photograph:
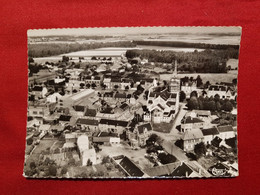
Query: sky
[[131, 30]]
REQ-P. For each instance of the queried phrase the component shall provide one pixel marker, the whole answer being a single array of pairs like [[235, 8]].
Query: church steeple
[[174, 85]]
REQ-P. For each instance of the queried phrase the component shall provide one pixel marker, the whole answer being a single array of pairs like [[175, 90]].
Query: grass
[[162, 127]]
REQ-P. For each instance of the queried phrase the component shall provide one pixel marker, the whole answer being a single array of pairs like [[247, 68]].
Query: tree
[[93, 85], [32, 165], [234, 81], [29, 141], [126, 88], [74, 91], [228, 106], [52, 170], [31, 60], [182, 96], [200, 149], [199, 81], [64, 170], [194, 94], [166, 158], [81, 85], [87, 85], [65, 59], [193, 103], [106, 159], [116, 87], [89, 162], [94, 58]]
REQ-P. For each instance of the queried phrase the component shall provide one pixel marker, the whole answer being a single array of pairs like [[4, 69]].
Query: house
[[126, 83], [202, 114], [106, 138], [70, 141], [223, 91], [38, 110], [120, 96], [64, 119], [108, 95], [184, 170], [93, 79], [188, 87], [226, 132], [90, 113], [88, 124], [130, 168], [140, 134], [114, 126], [39, 91], [191, 138], [44, 128], [87, 153], [107, 82], [80, 110], [115, 81], [162, 170], [53, 98], [209, 134], [189, 123]]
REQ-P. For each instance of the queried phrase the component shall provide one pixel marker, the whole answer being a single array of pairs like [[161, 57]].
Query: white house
[[86, 153]]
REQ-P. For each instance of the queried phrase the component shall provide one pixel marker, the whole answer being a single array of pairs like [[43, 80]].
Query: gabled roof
[[120, 95], [232, 142], [79, 108], [87, 121], [64, 118], [191, 120], [91, 112], [182, 171], [210, 131], [124, 106], [113, 122], [202, 112], [192, 134], [131, 168], [226, 128], [170, 103], [163, 170], [37, 88], [142, 127]]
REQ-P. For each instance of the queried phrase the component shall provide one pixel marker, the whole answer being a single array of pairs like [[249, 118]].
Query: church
[[162, 106]]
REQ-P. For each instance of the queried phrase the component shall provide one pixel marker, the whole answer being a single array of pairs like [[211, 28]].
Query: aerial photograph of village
[[136, 102]]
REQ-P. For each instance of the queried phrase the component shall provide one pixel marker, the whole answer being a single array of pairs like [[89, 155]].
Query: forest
[[51, 49], [186, 44], [207, 61]]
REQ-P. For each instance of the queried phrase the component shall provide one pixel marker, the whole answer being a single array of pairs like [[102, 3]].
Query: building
[[189, 123], [140, 134], [93, 79], [106, 138], [223, 91], [87, 153], [130, 168], [226, 132], [209, 134], [53, 98], [191, 138], [114, 126], [77, 98], [188, 87], [39, 92], [88, 124], [163, 105], [184, 170]]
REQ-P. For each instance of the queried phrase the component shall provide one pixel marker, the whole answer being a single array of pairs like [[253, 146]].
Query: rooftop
[[131, 168]]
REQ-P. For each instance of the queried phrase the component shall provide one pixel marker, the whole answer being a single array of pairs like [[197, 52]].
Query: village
[[109, 117]]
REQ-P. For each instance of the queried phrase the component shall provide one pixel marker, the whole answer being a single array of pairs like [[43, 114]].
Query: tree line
[[186, 44], [207, 61], [50, 49]]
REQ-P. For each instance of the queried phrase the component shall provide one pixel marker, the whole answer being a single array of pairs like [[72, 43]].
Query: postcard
[[132, 102]]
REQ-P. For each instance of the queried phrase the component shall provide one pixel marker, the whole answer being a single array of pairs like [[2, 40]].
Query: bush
[[29, 141], [166, 158], [52, 170], [64, 170], [32, 165]]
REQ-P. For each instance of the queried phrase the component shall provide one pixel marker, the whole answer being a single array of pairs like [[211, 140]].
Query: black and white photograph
[[132, 102]]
